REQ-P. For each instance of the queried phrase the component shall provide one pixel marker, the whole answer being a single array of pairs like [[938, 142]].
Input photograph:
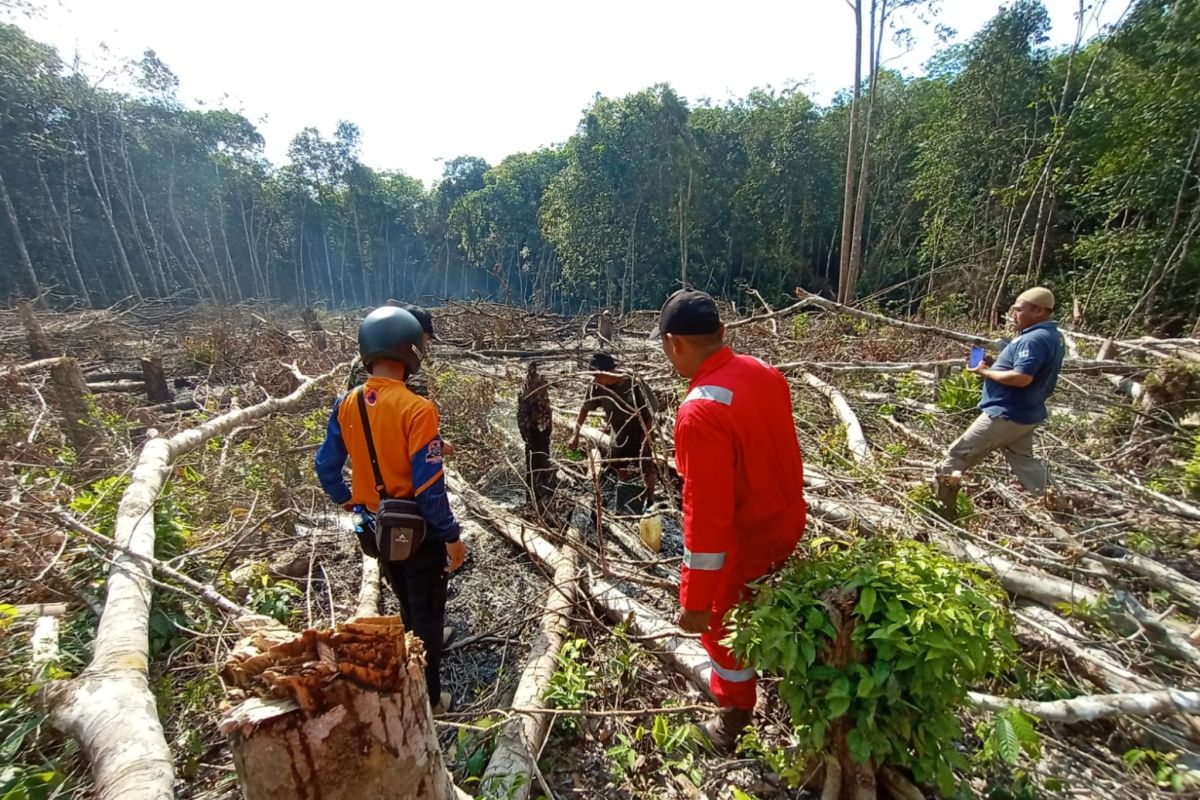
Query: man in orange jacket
[[404, 429], [743, 489]]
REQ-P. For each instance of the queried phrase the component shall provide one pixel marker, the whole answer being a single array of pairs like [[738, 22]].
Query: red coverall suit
[[743, 497]]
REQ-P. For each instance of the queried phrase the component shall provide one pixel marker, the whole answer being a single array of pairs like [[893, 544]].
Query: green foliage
[[679, 743], [1161, 765], [1191, 470], [97, 505], [926, 628], [1010, 734], [800, 325], [473, 747], [960, 391], [275, 598], [571, 684], [617, 660], [923, 497]]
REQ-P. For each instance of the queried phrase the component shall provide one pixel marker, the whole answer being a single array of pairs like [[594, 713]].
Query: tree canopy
[[1007, 163]]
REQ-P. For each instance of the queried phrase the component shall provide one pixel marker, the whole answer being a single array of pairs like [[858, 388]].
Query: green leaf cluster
[[925, 629]]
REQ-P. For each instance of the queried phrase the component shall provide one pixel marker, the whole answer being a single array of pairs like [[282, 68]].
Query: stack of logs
[[332, 714]]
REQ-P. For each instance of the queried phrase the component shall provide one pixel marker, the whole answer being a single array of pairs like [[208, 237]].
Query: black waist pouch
[[399, 526], [399, 529]]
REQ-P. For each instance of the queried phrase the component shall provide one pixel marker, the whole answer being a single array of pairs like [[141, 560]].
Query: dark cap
[[689, 312], [602, 362], [423, 317]]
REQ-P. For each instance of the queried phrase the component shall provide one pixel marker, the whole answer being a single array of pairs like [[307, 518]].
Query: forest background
[[1007, 163]]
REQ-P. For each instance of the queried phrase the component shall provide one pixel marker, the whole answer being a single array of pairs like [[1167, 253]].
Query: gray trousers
[[992, 433]]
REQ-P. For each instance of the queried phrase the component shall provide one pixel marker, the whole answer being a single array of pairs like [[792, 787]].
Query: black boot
[[724, 729]]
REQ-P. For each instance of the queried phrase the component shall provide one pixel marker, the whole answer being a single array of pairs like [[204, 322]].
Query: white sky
[[436, 79]]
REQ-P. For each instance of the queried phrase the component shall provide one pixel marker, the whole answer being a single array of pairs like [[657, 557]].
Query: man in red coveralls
[[743, 490]]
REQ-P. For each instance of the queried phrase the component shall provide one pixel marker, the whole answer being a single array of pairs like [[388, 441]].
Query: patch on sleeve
[[433, 453]]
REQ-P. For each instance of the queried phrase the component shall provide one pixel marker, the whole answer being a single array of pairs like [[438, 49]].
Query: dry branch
[[513, 763], [108, 707], [856, 440], [1097, 706]]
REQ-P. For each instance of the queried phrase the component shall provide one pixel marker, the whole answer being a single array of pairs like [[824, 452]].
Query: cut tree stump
[[334, 715], [157, 390], [35, 337], [69, 397]]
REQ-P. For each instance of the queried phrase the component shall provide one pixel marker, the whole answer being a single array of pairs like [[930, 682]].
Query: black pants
[[420, 586]]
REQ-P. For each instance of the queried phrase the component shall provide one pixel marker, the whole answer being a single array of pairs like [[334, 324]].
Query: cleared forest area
[[158, 493]]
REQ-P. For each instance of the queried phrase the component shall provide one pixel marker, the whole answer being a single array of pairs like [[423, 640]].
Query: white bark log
[[856, 440], [684, 655], [43, 646], [510, 771], [1096, 706], [368, 590], [109, 708]]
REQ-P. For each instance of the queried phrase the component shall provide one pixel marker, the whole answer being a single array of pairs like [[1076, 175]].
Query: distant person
[[402, 453], [536, 423], [629, 408], [743, 489], [1015, 389]]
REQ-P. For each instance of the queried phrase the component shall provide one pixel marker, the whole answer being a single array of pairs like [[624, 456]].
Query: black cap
[[689, 312], [602, 362], [423, 317]]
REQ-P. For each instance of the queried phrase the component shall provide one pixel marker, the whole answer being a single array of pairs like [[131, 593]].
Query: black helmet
[[390, 332]]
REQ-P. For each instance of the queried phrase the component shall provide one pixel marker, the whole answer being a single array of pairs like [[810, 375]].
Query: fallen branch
[[108, 707], [856, 440], [511, 768], [1096, 706]]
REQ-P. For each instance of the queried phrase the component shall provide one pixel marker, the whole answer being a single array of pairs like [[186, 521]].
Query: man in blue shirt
[[1015, 389]]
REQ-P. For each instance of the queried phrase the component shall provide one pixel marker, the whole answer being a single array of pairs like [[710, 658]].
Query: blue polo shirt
[[1037, 351]]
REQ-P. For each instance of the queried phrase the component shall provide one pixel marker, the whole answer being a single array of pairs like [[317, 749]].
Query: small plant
[[877, 643], [959, 392], [679, 744], [897, 450], [833, 445], [473, 748], [1140, 542], [800, 325], [274, 598], [909, 388], [1162, 765], [924, 497], [625, 758], [1191, 470], [1009, 734], [571, 684], [618, 657]]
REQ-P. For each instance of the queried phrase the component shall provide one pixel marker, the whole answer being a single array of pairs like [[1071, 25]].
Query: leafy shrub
[[925, 630], [571, 682], [960, 392]]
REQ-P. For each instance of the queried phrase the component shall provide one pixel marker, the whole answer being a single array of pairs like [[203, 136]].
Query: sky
[[428, 81]]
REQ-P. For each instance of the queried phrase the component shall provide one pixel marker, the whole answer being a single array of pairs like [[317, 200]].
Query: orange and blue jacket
[[743, 478], [404, 427]]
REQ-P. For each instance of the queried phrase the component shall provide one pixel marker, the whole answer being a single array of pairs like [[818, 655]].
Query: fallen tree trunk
[[684, 655], [1096, 706], [368, 589], [513, 763], [109, 707], [856, 440], [335, 715]]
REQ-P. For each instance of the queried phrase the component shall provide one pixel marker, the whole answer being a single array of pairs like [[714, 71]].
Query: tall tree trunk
[[127, 278], [74, 276], [858, 235], [845, 293], [27, 276]]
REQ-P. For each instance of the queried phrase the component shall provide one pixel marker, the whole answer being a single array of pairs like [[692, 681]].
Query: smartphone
[[976, 357]]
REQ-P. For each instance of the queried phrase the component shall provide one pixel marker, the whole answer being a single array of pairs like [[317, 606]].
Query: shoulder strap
[[366, 421]]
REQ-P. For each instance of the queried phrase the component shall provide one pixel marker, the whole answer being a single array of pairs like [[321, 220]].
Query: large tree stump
[[69, 397], [35, 337], [157, 390], [334, 715]]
